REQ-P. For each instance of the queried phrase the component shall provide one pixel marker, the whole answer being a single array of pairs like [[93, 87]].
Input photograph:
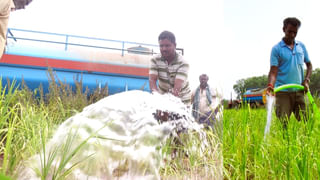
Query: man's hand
[[175, 92], [306, 81], [154, 91], [271, 80], [153, 83], [177, 87], [305, 84], [270, 90]]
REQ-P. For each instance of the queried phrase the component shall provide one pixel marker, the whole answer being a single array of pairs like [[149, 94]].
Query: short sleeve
[[182, 71], [153, 67], [305, 52], [274, 58]]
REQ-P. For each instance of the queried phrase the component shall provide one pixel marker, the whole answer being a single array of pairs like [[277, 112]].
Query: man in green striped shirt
[[170, 70]]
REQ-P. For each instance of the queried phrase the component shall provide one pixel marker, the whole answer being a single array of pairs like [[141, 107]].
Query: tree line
[[261, 82]]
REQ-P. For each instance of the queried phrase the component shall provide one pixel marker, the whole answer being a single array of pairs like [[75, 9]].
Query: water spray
[[270, 101]]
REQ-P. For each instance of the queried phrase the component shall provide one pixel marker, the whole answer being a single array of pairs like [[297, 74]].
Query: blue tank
[[96, 62], [255, 96]]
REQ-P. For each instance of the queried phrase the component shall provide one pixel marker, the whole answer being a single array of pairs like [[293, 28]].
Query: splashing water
[[270, 103], [126, 141]]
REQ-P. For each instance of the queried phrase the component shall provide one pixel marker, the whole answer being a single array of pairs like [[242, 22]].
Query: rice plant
[[290, 153], [28, 120]]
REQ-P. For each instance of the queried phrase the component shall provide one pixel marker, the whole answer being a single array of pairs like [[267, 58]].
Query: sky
[[227, 39]]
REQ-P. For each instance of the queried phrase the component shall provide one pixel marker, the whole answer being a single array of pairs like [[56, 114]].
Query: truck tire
[[253, 105]]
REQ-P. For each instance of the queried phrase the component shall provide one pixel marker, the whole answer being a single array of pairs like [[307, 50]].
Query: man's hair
[[167, 35], [20, 4], [291, 20], [204, 75]]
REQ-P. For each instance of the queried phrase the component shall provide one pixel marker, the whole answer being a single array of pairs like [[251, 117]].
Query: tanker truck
[[119, 65], [255, 97]]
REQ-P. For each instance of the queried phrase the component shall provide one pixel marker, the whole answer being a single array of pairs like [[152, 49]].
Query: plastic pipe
[[300, 87], [287, 86]]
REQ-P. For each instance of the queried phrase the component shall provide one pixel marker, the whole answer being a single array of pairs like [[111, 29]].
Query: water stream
[[270, 104], [127, 138]]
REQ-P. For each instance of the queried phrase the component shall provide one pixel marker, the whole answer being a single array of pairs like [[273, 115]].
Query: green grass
[[192, 161], [284, 154], [28, 120]]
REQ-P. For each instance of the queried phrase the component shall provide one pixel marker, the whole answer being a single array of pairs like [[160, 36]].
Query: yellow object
[[264, 96]]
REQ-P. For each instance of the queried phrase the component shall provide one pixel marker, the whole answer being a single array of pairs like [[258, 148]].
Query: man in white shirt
[[204, 103]]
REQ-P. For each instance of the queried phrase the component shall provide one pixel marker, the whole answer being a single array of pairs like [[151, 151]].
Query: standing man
[[5, 8], [204, 103], [170, 70], [287, 60]]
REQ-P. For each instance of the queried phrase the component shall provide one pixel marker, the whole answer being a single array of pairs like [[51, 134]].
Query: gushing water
[[270, 103], [126, 139]]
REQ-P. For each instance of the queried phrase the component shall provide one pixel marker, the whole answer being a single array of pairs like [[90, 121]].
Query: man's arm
[[306, 81], [181, 77], [272, 79], [192, 97], [153, 83], [177, 87], [214, 93]]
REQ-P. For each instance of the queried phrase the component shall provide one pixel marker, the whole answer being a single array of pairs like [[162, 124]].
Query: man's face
[[290, 32], [203, 81], [167, 48]]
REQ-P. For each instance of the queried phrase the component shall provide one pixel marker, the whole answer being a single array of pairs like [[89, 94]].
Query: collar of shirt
[[174, 60], [283, 44]]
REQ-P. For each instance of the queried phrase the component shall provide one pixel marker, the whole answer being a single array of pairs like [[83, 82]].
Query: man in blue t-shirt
[[287, 61]]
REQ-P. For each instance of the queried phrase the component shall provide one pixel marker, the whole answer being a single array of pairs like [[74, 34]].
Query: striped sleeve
[[153, 67], [182, 71]]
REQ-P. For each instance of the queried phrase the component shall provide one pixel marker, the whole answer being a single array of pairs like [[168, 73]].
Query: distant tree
[[256, 82], [239, 87], [315, 82], [243, 85]]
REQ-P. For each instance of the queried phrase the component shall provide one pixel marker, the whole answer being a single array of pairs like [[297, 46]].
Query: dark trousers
[[208, 119], [290, 102]]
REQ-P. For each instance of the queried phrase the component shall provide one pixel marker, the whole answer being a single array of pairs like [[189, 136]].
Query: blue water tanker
[[255, 97], [96, 62]]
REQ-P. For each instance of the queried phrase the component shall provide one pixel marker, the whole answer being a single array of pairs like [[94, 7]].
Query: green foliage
[[261, 82], [253, 82], [3, 177], [191, 161], [54, 163], [66, 100], [284, 154], [28, 118], [315, 82]]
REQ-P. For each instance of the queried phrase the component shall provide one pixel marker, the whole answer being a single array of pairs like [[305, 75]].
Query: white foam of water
[[270, 103], [128, 119]]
